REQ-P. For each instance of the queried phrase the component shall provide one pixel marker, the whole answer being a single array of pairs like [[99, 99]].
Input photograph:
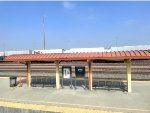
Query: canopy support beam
[[89, 75], [57, 75], [129, 89], [28, 74]]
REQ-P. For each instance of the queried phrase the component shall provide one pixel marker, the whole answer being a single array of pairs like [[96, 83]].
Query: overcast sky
[[73, 24]]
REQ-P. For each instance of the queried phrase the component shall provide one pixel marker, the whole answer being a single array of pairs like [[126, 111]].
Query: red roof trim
[[120, 55]]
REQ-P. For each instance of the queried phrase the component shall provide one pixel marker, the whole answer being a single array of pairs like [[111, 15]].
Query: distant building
[[77, 50], [48, 51]]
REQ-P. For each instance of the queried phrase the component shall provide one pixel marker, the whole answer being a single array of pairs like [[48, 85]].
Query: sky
[[73, 24]]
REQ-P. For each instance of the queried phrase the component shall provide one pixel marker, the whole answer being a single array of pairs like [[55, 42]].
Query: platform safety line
[[80, 105], [49, 108]]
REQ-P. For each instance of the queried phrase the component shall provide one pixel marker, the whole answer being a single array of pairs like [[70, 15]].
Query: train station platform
[[98, 100]]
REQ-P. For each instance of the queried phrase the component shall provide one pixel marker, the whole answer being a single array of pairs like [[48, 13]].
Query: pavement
[[97, 100]]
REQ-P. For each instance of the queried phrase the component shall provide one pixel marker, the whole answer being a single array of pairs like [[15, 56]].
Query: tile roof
[[119, 55]]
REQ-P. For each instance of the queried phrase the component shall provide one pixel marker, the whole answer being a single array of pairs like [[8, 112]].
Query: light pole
[[44, 34]]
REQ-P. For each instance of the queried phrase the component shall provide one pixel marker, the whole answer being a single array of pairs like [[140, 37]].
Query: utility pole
[[43, 34]]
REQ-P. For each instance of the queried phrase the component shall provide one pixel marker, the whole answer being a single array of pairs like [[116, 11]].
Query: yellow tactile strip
[[50, 108]]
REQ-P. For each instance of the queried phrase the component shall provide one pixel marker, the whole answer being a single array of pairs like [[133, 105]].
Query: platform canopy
[[119, 55], [57, 57]]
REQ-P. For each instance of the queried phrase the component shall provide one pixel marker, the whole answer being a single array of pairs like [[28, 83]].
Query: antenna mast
[[43, 34]]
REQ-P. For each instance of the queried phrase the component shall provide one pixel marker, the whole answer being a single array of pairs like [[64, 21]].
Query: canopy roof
[[119, 55]]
